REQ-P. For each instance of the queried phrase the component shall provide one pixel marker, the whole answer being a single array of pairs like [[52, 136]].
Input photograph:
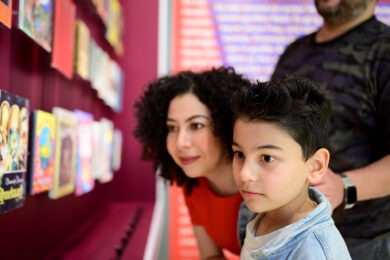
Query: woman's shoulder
[[203, 191], [203, 197]]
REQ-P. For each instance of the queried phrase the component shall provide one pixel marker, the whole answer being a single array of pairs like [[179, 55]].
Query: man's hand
[[332, 186]]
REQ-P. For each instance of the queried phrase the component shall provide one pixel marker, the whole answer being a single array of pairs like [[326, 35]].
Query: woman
[[185, 127]]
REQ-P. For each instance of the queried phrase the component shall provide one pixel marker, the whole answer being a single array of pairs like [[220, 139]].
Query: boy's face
[[268, 166]]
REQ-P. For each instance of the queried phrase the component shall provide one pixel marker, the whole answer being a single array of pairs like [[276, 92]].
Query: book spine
[[32, 144]]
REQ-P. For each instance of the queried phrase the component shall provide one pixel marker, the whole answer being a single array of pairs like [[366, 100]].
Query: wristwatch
[[350, 196]]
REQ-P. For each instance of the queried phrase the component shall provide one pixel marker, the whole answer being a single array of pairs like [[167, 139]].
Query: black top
[[355, 69]]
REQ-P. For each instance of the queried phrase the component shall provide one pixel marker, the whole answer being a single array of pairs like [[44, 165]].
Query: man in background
[[350, 56]]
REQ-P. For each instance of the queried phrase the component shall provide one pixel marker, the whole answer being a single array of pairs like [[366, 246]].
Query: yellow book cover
[[115, 26], [42, 151], [82, 50]]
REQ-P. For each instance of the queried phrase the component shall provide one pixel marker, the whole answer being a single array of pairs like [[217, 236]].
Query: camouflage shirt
[[355, 69]]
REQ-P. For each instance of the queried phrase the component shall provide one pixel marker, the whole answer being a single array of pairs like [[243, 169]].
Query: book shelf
[[93, 225]]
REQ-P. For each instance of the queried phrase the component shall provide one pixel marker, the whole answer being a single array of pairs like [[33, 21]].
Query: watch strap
[[350, 194]]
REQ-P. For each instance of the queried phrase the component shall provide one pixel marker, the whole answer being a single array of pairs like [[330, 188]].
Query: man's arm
[[371, 181]]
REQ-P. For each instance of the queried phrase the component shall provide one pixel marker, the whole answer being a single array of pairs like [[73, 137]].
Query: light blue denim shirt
[[313, 237]]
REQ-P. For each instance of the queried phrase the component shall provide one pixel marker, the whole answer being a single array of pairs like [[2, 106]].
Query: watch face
[[351, 195]]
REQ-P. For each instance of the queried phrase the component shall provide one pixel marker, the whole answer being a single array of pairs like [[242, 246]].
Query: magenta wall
[[134, 180], [34, 230]]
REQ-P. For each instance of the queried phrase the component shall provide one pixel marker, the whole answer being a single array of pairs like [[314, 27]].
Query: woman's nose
[[183, 139]]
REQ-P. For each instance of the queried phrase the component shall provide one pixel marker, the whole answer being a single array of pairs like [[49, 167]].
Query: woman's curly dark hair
[[213, 88]]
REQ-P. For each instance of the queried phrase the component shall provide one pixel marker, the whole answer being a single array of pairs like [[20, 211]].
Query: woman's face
[[190, 138]]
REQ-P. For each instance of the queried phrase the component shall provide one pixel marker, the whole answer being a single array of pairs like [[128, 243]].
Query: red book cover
[[63, 38], [6, 12]]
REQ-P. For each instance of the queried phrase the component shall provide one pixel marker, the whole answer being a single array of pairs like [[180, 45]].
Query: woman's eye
[[239, 155], [197, 126], [267, 158], [171, 128]]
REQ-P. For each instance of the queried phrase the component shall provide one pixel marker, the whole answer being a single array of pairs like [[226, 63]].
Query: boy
[[279, 140]]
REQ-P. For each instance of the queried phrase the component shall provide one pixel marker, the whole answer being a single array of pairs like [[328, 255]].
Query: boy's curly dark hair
[[213, 88], [298, 105]]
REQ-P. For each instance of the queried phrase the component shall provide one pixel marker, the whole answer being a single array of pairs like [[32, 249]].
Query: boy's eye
[[239, 155], [267, 158], [171, 128], [196, 126]]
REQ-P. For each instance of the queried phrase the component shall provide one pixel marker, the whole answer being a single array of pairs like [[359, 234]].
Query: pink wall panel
[[134, 179]]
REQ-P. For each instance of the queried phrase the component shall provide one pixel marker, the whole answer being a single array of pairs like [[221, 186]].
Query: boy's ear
[[318, 165]]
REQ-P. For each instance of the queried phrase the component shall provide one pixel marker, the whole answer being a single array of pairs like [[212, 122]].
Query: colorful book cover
[[115, 87], [35, 19], [6, 12], [92, 60], [104, 11], [84, 177], [82, 50], [117, 150], [99, 4], [101, 79], [97, 146], [14, 123], [65, 153], [104, 79], [42, 151], [107, 139], [97, 61], [114, 26], [63, 37]]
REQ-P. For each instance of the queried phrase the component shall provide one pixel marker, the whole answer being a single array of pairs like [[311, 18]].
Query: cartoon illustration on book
[[65, 153], [35, 19], [42, 151], [13, 150]]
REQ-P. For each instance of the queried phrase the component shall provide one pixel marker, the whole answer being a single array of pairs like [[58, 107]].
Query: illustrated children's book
[[35, 19], [99, 4], [97, 146], [115, 87], [84, 176], [42, 151], [101, 79], [14, 116], [65, 153], [6, 12], [92, 60], [63, 37], [97, 66], [114, 26], [111, 91], [107, 139], [117, 150], [81, 62]]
